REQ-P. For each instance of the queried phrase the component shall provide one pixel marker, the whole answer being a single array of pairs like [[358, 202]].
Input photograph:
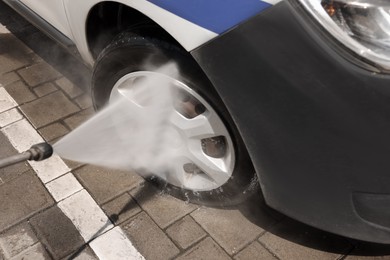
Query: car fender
[[78, 13], [163, 13]]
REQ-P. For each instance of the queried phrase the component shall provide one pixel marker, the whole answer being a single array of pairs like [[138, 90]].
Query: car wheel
[[215, 169]]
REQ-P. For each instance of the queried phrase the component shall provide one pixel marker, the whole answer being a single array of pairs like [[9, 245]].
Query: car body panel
[[173, 24], [53, 12], [316, 125], [217, 15], [176, 17]]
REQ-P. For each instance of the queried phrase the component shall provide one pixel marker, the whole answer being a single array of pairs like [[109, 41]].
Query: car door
[[53, 12]]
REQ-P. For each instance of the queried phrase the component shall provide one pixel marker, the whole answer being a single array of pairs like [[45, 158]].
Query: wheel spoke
[[199, 127], [212, 167]]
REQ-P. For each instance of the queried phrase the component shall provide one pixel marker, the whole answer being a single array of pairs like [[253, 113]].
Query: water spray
[[37, 152]]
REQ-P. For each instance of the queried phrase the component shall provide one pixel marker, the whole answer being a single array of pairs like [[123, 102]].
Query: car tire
[[130, 53]]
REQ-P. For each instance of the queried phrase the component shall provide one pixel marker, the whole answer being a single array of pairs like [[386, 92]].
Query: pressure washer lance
[[37, 152]]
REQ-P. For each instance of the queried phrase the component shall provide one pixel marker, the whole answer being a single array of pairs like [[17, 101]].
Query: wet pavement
[[66, 210]]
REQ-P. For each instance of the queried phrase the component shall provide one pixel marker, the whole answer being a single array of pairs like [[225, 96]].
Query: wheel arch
[[87, 13]]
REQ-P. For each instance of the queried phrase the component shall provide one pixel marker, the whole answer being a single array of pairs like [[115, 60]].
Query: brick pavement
[[50, 89]]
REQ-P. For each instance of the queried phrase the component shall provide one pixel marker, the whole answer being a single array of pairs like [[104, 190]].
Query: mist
[[133, 132]]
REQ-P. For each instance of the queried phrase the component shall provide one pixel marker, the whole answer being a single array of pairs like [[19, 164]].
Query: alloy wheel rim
[[203, 152]]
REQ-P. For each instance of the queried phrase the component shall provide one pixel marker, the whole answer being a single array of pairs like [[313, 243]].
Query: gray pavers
[[254, 251], [36, 252], [44, 89], [8, 64], [369, 251], [49, 109], [240, 232], [207, 249], [22, 197], [11, 172], [9, 78], [74, 121], [122, 208], [20, 92], [365, 257], [38, 73], [13, 54], [84, 101], [105, 184], [162, 208], [53, 131], [69, 88], [186, 232], [17, 239], [148, 238], [85, 254], [293, 240], [57, 232]]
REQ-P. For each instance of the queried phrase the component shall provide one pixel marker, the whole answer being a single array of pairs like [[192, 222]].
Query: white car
[[292, 95]]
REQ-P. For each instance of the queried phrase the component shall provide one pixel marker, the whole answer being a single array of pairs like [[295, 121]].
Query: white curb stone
[[22, 135], [50, 168], [9, 117], [86, 215], [94, 226], [6, 101], [64, 187], [105, 247]]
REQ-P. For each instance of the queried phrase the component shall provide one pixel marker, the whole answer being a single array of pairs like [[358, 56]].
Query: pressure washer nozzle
[[37, 152], [40, 151]]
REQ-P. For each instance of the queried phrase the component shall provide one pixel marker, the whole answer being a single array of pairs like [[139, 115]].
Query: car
[[289, 95]]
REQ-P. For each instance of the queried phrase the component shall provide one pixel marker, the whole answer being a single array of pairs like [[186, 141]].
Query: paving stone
[[369, 251], [20, 92], [207, 249], [148, 238], [6, 101], [38, 73], [365, 257], [21, 198], [254, 251], [115, 245], [72, 164], [85, 254], [36, 252], [121, 208], [9, 78], [49, 109], [57, 232], [74, 121], [17, 239], [64, 187], [12, 54], [44, 89], [105, 184], [22, 135], [9, 173], [10, 116], [86, 215], [49, 169], [293, 240], [186, 232], [84, 101], [53, 131], [162, 208], [69, 88], [229, 227]]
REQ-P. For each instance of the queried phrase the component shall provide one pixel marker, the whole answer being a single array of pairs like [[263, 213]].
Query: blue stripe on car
[[214, 15]]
